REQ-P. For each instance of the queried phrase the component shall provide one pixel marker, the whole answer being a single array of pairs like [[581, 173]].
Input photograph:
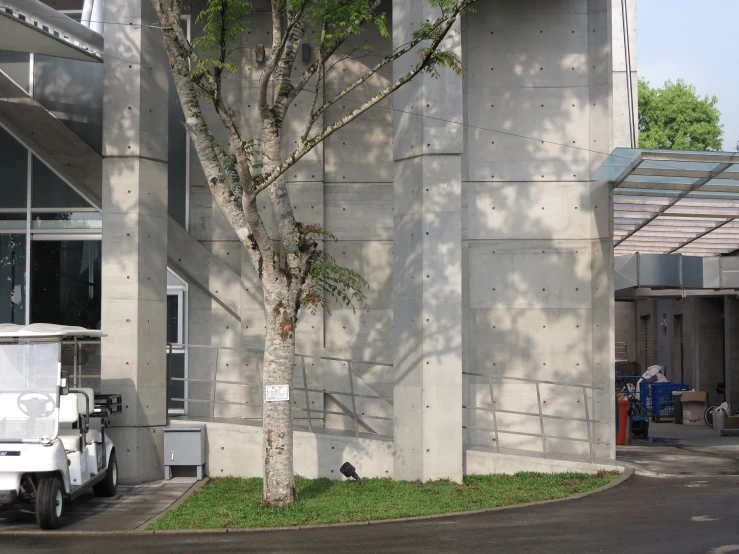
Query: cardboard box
[[731, 422], [694, 405]]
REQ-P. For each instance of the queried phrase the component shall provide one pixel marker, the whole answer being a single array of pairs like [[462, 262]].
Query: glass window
[[13, 221], [14, 176], [67, 220], [177, 389], [177, 146], [49, 191], [173, 318], [73, 91], [65, 282], [12, 279], [17, 66]]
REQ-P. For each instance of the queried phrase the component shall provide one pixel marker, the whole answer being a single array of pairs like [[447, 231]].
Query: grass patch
[[237, 503]]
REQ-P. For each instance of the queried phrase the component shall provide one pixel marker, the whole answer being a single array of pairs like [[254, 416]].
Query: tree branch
[[327, 52], [448, 21], [225, 187]]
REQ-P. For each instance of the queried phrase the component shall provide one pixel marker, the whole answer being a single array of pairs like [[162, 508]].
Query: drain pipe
[[96, 17], [86, 13]]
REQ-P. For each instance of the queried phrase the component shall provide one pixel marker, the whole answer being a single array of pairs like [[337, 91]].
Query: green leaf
[[676, 118]]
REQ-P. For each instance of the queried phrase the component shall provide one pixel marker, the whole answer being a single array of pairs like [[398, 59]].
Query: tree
[[675, 118], [297, 274]]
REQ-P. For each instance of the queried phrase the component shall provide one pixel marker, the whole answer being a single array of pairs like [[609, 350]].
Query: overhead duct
[[674, 271]]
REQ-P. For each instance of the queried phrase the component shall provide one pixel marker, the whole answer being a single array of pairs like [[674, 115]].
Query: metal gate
[[648, 346], [677, 348]]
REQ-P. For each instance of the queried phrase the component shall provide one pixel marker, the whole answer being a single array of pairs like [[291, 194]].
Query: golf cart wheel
[[49, 503], [108, 486]]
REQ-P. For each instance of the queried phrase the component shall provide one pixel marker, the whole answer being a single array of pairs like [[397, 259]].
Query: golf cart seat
[[71, 407]]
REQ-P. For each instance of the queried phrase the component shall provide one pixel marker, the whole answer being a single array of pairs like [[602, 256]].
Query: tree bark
[[279, 352]]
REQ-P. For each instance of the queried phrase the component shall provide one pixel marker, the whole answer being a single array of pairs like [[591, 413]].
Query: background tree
[[295, 272], [675, 118]]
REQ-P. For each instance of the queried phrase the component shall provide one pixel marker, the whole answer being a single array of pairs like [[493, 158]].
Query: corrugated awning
[[673, 202]]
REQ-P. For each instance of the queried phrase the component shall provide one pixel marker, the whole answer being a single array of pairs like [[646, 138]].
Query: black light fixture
[[260, 53], [349, 471], [306, 52]]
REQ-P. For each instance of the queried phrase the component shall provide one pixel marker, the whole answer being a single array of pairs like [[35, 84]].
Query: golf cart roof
[[38, 330]]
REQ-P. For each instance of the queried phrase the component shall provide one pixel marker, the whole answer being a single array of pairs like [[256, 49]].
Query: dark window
[[177, 146], [73, 91], [173, 318], [176, 364], [49, 191], [67, 220], [12, 280], [65, 282], [13, 221], [17, 66], [14, 175]]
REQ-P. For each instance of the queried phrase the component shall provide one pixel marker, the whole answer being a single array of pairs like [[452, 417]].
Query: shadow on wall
[[538, 254], [536, 248]]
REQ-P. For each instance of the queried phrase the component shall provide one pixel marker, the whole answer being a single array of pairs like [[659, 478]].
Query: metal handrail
[[540, 413], [309, 412]]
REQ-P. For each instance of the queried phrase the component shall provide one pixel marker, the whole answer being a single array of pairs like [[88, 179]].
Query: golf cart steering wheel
[[31, 405]]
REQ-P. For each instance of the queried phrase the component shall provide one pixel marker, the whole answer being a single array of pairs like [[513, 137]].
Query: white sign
[[277, 393]]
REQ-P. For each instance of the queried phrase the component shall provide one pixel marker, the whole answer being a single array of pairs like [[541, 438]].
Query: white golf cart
[[53, 445]]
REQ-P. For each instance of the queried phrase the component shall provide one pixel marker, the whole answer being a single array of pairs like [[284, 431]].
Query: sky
[[697, 40]]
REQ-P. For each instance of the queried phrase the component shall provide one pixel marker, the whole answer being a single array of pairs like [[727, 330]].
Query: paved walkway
[[130, 508], [681, 450]]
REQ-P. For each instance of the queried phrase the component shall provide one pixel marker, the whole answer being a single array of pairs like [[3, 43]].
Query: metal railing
[[208, 378], [494, 381]]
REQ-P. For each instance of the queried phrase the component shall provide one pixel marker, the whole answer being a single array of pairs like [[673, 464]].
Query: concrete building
[[471, 206]]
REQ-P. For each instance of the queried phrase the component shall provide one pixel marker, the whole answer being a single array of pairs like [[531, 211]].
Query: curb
[[176, 504], [627, 473]]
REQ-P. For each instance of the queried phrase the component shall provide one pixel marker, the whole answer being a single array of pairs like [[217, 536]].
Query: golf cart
[[53, 445]]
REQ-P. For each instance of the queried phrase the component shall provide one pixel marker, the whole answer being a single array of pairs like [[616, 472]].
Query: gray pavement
[[679, 450], [130, 508], [669, 515]]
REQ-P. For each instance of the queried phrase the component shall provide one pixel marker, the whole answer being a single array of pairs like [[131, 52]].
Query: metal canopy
[[673, 202]]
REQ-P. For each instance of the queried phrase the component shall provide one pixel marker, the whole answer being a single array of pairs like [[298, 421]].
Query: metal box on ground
[[184, 446]]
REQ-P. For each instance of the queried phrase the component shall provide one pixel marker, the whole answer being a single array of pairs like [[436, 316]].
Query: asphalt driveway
[[644, 514]]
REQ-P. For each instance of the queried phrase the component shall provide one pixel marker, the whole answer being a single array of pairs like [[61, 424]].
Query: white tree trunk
[[277, 423]]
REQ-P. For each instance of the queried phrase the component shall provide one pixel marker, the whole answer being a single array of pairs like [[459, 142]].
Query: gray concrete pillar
[[427, 263], [135, 235]]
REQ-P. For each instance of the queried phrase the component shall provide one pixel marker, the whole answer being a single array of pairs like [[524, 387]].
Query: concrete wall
[[731, 336], [236, 450], [538, 269], [535, 247], [625, 327]]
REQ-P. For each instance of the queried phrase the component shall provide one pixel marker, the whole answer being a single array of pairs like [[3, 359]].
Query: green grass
[[237, 503]]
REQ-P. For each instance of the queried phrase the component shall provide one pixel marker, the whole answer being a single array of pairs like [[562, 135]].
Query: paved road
[[667, 515]]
